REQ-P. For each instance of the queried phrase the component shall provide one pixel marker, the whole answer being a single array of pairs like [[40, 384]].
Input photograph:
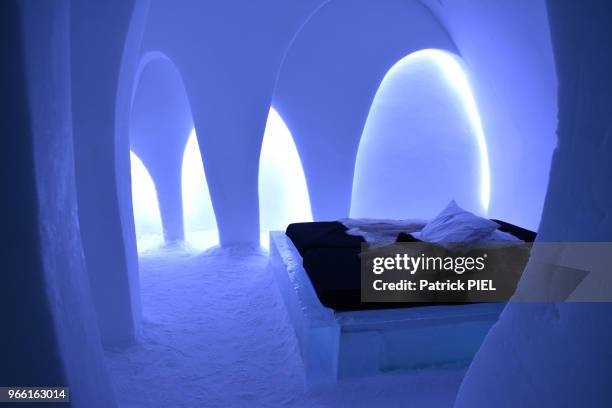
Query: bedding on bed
[[380, 231], [328, 234], [454, 224], [331, 254], [335, 275]]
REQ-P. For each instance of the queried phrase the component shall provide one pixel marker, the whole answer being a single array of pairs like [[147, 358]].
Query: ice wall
[[551, 355], [160, 124], [507, 51], [228, 55], [49, 336], [104, 45], [419, 150], [328, 81]]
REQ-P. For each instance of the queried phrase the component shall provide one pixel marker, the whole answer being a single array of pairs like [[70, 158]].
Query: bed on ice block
[[346, 343]]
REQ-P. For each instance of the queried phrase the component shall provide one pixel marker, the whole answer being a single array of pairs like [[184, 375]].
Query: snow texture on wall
[[50, 336], [101, 41], [558, 354], [508, 55]]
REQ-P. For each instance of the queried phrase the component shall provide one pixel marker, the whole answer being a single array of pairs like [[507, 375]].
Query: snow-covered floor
[[215, 334]]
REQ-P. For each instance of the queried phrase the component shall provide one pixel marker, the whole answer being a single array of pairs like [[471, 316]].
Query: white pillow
[[497, 236], [454, 224], [501, 236]]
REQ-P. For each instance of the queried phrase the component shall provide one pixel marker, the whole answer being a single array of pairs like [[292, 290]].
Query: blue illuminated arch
[[423, 143], [147, 219], [199, 219], [283, 194]]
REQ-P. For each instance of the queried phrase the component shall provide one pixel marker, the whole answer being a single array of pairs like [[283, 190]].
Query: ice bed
[[339, 336]]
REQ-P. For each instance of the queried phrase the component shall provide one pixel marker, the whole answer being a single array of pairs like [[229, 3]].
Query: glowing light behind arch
[[456, 77], [147, 218], [283, 194], [198, 214], [424, 117]]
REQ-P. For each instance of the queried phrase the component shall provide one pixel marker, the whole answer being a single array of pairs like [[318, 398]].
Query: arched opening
[[160, 124], [283, 194], [147, 220], [422, 144], [199, 219]]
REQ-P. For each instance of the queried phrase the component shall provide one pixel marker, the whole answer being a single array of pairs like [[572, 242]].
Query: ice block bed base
[[335, 345]]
